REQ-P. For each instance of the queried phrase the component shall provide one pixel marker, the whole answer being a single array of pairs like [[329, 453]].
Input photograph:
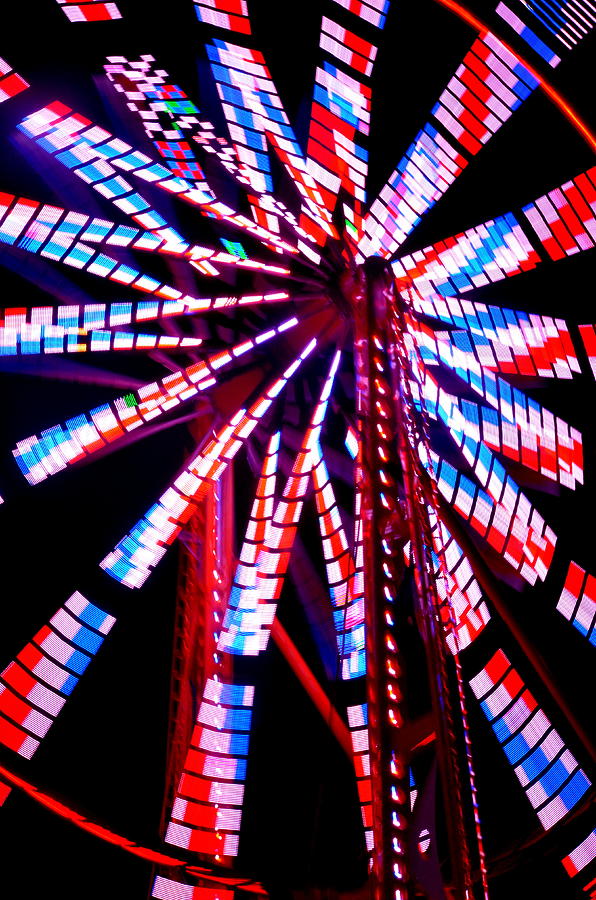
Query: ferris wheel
[[326, 413]]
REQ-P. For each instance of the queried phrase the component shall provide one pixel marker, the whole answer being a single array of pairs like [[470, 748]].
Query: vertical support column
[[418, 496], [384, 536], [204, 581]]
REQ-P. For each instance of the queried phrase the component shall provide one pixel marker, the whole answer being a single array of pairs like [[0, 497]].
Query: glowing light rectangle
[[263, 565], [372, 11], [168, 889], [564, 219], [346, 46], [35, 687], [549, 773], [577, 602], [90, 11], [229, 14], [11, 83]]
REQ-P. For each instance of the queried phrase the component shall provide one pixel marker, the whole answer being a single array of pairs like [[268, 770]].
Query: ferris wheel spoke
[[139, 552], [501, 514], [460, 591], [508, 341], [550, 775], [81, 436], [337, 156], [200, 820], [348, 609], [562, 221], [488, 86], [52, 231], [36, 685]]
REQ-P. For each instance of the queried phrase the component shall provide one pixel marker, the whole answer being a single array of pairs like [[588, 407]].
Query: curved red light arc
[[153, 856]]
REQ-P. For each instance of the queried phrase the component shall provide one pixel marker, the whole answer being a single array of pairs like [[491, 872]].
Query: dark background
[[105, 754]]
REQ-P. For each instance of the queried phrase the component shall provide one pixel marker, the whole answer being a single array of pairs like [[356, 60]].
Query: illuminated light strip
[[35, 687], [63, 445], [549, 773], [346, 46], [588, 336], [93, 154], [11, 83], [358, 724], [248, 628], [134, 557], [166, 112], [464, 594], [348, 610], [32, 340], [486, 88], [90, 11], [52, 231], [526, 34], [568, 22], [167, 889], [481, 255], [372, 11], [510, 341], [340, 120], [98, 316], [207, 809], [229, 14], [474, 116], [509, 523], [553, 95], [255, 115], [15, 214], [238, 636], [577, 602], [517, 425], [581, 856], [565, 218], [431, 164]]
